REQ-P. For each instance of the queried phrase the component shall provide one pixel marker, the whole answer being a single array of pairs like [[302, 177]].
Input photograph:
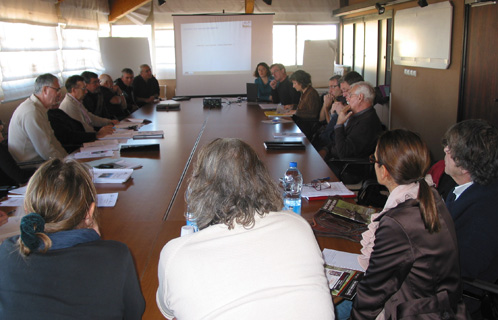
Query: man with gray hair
[[471, 159], [358, 125], [31, 137], [145, 86]]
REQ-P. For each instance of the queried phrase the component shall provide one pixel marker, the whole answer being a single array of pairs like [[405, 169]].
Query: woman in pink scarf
[[410, 251]]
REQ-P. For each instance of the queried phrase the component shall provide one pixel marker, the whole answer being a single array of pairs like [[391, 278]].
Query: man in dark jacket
[[471, 159]]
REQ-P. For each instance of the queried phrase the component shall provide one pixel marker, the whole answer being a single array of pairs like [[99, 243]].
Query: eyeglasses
[[372, 159], [56, 89], [350, 95], [81, 88], [334, 86]]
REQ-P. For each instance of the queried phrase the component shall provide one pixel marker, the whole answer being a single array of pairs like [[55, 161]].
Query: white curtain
[[38, 12], [24, 56]]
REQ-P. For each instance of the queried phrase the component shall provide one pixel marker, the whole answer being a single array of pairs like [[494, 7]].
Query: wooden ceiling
[[120, 8]]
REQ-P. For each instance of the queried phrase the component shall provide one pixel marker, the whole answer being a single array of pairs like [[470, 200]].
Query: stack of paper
[[158, 134], [343, 272]]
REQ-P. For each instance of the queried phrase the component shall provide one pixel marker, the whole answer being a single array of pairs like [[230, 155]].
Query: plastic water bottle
[[191, 221], [189, 216], [293, 183]]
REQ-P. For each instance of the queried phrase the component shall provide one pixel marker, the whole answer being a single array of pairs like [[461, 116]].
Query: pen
[[11, 212]]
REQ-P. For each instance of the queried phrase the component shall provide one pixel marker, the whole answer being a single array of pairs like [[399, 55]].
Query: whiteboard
[[422, 36], [119, 53], [318, 61]]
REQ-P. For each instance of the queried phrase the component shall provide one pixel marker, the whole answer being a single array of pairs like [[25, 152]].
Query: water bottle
[[191, 221], [293, 183], [189, 216]]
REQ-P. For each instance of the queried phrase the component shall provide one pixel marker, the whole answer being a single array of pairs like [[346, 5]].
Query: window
[[288, 41], [165, 54], [24, 56], [27, 51], [143, 31]]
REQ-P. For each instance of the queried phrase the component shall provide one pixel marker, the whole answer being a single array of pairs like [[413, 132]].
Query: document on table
[[288, 135], [107, 199], [269, 106], [12, 202], [125, 134], [336, 189], [342, 259]]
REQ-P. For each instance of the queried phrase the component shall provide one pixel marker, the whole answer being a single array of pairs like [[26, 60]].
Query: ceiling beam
[[120, 8], [249, 6]]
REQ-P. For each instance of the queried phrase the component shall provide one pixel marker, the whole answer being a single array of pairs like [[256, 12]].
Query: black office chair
[[488, 297], [352, 171]]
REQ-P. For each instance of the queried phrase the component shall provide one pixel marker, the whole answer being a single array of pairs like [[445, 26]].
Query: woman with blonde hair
[[410, 251], [59, 268]]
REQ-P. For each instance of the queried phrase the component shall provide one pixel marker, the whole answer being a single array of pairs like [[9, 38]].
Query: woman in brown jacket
[[410, 251]]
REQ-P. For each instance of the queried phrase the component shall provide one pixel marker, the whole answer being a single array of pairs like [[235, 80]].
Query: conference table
[[151, 205]]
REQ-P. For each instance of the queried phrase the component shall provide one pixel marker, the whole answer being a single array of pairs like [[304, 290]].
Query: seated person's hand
[[114, 122], [104, 131], [3, 218], [344, 115], [150, 99], [337, 107], [273, 84], [327, 100]]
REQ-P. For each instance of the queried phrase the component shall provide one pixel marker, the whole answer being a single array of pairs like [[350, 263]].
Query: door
[[480, 83]]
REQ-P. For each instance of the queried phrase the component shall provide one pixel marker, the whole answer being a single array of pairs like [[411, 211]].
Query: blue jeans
[[343, 310]]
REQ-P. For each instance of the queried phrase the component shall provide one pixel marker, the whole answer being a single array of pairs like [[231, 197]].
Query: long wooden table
[[150, 208]]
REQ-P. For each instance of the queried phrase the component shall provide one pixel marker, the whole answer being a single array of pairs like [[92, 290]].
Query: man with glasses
[[31, 137], [282, 90], [334, 94], [72, 123], [471, 159], [357, 127], [328, 135]]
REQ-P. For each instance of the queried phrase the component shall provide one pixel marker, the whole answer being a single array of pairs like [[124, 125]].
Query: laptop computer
[[252, 93]]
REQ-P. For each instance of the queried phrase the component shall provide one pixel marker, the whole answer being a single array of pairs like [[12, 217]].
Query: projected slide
[[216, 47]]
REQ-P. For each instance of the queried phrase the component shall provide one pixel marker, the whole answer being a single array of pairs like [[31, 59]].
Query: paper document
[[111, 175], [125, 134], [134, 120], [97, 154], [18, 192], [100, 143], [12, 202], [336, 189], [342, 259], [107, 199], [269, 106], [288, 135], [157, 134]]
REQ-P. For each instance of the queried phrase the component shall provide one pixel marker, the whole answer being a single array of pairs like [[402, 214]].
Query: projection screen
[[217, 54]]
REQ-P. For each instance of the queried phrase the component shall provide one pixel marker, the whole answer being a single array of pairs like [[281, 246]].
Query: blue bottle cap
[[293, 164]]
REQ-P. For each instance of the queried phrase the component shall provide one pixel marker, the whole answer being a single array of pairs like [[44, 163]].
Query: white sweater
[[271, 271]]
